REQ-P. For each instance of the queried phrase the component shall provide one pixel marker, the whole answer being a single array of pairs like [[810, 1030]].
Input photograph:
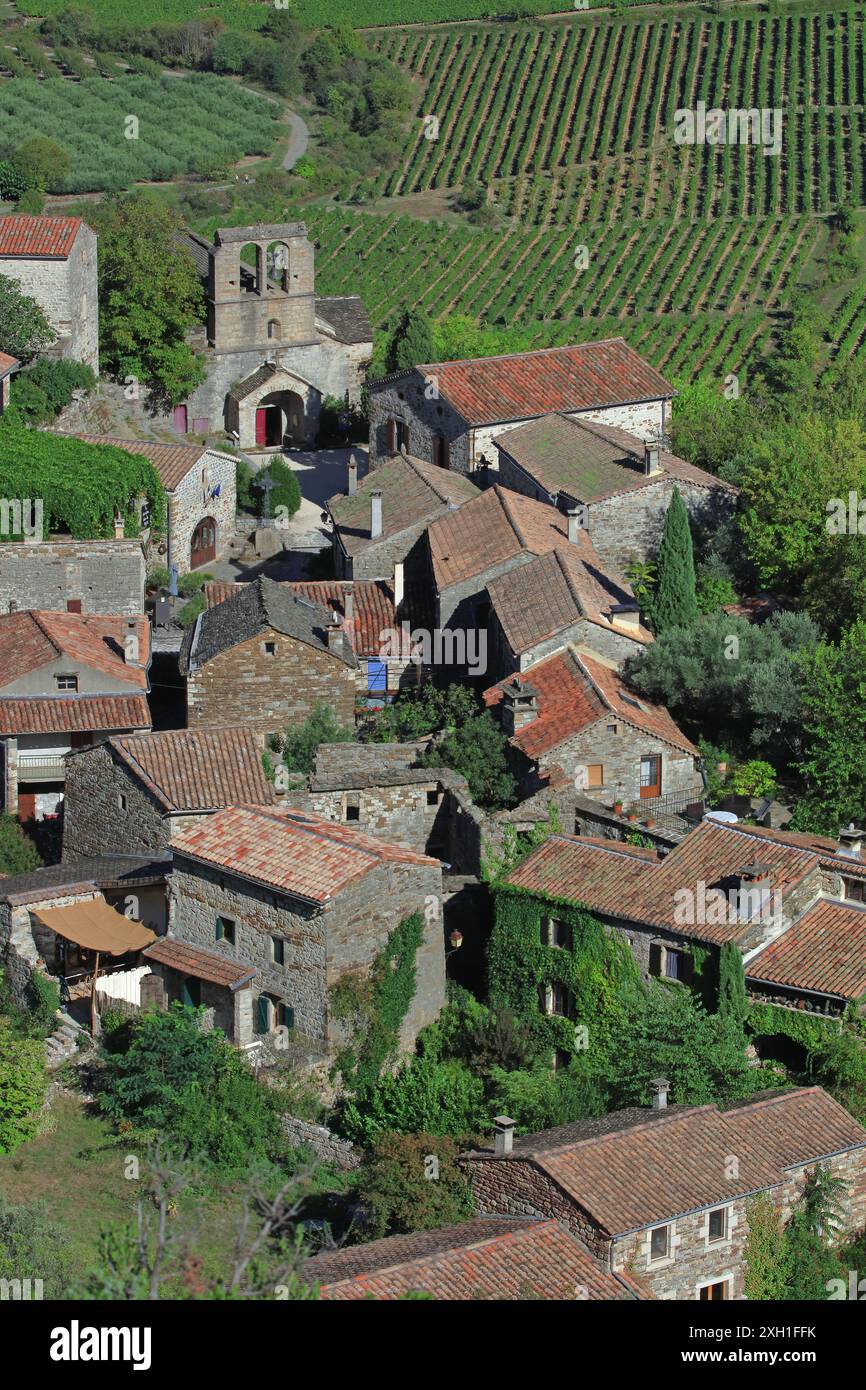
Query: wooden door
[[179, 420], [261, 425], [202, 549], [651, 775]]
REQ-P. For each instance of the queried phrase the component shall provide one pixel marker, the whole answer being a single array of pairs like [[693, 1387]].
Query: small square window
[[717, 1224], [556, 933], [68, 682], [225, 930], [675, 965], [612, 728], [714, 1293], [433, 798], [278, 946], [269, 648], [353, 810], [660, 1243]]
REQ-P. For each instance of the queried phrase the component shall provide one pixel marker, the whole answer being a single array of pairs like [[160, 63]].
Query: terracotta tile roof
[[553, 592], [29, 640], [70, 714], [51, 237], [373, 606], [574, 691], [7, 363], [676, 1161], [612, 882], [824, 951], [171, 461], [587, 461], [795, 1127], [200, 963], [487, 1258], [413, 492], [303, 854], [494, 528], [587, 376], [197, 770]]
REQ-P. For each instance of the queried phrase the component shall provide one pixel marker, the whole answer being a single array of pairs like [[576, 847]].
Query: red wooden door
[[179, 421], [203, 545], [261, 425], [651, 776]]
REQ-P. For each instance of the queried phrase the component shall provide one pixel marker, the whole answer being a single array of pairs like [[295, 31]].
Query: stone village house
[[270, 907], [653, 1192], [379, 524], [449, 413], [265, 658], [133, 794], [620, 485], [273, 349], [53, 260], [201, 500], [794, 904], [67, 680], [572, 713], [8, 365]]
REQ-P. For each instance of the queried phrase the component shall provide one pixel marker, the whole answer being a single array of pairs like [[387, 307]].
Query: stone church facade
[[274, 350]]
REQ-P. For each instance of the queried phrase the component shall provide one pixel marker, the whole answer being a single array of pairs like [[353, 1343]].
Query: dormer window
[[66, 682]]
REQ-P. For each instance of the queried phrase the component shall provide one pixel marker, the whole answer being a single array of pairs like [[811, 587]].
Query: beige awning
[[96, 927]]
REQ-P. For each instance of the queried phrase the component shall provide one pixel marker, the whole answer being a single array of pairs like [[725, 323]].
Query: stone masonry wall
[[66, 291], [192, 501], [516, 1187], [620, 754], [94, 821], [406, 400], [629, 526], [268, 693], [104, 576]]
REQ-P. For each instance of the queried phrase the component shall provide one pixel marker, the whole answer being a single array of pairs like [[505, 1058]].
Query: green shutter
[[288, 1016], [219, 928], [264, 1014]]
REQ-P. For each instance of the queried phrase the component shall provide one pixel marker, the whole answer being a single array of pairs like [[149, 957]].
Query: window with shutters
[[225, 930], [558, 1000], [191, 991], [595, 775]]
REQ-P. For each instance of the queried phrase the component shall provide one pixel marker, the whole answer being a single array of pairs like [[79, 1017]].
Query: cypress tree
[[732, 984], [674, 602], [411, 341]]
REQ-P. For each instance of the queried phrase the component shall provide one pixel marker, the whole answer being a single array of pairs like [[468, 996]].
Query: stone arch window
[[274, 329], [278, 267], [251, 268]]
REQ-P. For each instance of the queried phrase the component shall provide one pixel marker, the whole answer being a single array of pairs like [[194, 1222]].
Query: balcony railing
[[670, 807], [41, 767]]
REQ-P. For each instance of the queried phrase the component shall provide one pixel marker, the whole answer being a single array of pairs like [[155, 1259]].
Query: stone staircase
[[63, 1042]]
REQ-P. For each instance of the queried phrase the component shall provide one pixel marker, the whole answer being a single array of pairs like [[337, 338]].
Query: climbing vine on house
[[372, 1008], [597, 966], [81, 486]]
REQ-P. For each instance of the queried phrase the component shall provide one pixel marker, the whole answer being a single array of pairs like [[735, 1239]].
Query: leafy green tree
[[33, 1247], [411, 342], [418, 712], [298, 744], [23, 1085], [477, 750], [834, 721], [412, 1182], [733, 1001], [766, 1254], [284, 497], [814, 1224], [421, 1096], [43, 162], [149, 295], [18, 854], [674, 603], [24, 329], [754, 778]]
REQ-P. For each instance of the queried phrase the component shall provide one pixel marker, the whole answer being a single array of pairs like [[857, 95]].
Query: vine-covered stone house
[[270, 908], [661, 1192], [791, 903]]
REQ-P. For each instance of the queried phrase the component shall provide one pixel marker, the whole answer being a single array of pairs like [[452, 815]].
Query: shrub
[[32, 202], [411, 1182], [286, 492], [421, 1096], [22, 1087], [192, 583], [298, 744], [18, 854], [31, 1245], [190, 611]]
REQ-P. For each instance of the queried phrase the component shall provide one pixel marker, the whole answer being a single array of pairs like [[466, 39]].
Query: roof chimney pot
[[503, 1135], [660, 1086], [375, 514]]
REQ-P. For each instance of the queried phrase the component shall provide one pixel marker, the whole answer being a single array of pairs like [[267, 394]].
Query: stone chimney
[[348, 592], [353, 476], [119, 529], [519, 705], [334, 631], [399, 584], [651, 459], [375, 514], [851, 841], [573, 524], [660, 1086], [503, 1135], [130, 642]]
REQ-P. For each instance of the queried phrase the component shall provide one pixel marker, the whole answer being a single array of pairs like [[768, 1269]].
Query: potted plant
[[632, 816], [617, 807]]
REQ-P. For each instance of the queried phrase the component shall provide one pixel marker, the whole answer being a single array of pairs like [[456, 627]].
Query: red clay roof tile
[[51, 237]]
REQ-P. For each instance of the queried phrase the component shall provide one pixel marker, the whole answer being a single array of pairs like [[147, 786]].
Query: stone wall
[[620, 755], [516, 1187], [94, 821], [104, 576], [588, 636], [629, 526], [268, 693], [377, 560], [330, 1148], [192, 501]]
